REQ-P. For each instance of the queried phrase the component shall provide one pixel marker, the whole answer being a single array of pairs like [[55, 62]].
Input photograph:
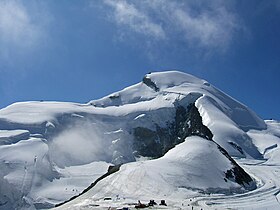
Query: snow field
[[51, 151]]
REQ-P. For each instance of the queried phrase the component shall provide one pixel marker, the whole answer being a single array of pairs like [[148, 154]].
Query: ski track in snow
[[264, 197]]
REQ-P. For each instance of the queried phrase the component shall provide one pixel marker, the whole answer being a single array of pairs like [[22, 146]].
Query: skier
[[35, 159]]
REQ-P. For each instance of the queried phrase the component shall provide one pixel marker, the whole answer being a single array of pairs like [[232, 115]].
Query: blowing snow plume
[[79, 144]]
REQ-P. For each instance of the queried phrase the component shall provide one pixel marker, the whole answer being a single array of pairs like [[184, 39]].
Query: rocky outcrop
[[155, 143], [150, 143], [187, 122], [147, 81], [236, 173]]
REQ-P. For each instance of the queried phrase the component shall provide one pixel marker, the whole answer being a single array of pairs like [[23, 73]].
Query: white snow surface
[[176, 178], [50, 151], [189, 160], [12, 136]]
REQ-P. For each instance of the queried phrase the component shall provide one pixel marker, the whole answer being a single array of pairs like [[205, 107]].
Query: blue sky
[[82, 50]]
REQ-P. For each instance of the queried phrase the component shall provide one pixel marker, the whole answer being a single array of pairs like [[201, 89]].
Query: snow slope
[[152, 180], [183, 169], [50, 151], [181, 177]]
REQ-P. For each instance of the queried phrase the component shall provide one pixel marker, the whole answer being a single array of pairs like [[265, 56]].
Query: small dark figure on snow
[[140, 205], [152, 203], [162, 202]]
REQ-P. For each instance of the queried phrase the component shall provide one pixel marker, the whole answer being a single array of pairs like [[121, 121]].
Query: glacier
[[175, 137]]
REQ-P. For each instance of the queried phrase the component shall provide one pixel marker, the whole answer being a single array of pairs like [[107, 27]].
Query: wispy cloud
[[202, 24], [206, 29], [129, 15], [21, 27]]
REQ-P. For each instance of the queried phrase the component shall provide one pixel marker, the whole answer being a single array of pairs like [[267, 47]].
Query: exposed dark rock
[[236, 173], [234, 145], [150, 143], [112, 97], [188, 122], [147, 81]]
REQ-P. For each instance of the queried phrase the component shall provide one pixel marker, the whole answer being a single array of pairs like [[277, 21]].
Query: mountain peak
[[167, 79], [59, 143]]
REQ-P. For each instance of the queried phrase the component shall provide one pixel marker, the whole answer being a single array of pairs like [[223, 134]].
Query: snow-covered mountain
[[176, 136]]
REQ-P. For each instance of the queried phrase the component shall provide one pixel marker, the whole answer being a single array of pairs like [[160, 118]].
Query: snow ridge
[[141, 122]]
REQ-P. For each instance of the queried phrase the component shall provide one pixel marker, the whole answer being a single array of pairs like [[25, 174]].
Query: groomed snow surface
[[51, 151]]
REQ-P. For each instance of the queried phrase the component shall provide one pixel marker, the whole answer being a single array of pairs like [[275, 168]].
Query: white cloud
[[205, 29], [129, 15], [203, 24], [21, 28]]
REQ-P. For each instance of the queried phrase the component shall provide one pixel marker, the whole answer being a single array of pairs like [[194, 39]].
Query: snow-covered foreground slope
[[29, 178], [151, 180], [192, 167], [51, 151], [182, 178]]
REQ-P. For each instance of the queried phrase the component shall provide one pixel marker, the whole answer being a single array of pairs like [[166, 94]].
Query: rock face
[[236, 173], [188, 122], [147, 81], [155, 143], [149, 143]]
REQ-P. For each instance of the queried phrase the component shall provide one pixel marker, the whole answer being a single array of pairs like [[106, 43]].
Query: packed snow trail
[[111, 170], [264, 197], [24, 180]]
